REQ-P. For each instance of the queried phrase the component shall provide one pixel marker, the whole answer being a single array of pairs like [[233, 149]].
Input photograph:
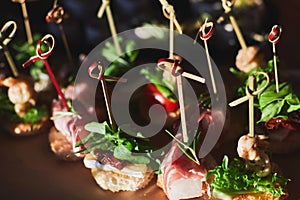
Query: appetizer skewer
[[114, 159], [40, 55], [255, 167], [248, 56], [103, 80]]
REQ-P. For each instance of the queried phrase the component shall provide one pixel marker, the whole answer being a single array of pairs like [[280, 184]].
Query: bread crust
[[116, 180], [61, 146], [259, 196]]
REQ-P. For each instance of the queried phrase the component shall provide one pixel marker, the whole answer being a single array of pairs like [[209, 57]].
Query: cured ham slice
[[182, 178], [69, 128]]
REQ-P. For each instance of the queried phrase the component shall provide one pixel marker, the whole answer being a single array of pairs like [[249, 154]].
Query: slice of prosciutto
[[182, 178], [71, 126]]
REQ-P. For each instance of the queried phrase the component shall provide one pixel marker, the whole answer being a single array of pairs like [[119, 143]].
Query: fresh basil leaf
[[270, 95], [293, 108], [292, 99], [271, 110]]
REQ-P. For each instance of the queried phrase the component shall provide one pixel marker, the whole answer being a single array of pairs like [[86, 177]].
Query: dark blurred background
[[84, 30]]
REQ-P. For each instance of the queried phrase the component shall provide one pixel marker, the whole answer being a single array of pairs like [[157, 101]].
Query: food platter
[[30, 170]]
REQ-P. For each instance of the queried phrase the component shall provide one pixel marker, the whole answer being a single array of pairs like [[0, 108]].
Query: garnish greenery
[[123, 148], [234, 178], [33, 115], [119, 64], [25, 50], [155, 76], [189, 151], [269, 102], [274, 105], [205, 101], [72, 112]]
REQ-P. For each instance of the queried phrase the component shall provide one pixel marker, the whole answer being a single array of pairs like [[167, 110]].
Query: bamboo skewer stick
[[5, 41], [100, 76], [56, 15], [172, 67], [26, 19], [250, 94], [106, 7], [205, 36], [273, 37], [227, 5]]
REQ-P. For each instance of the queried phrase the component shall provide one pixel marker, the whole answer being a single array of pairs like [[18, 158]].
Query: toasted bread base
[[115, 182], [61, 146], [259, 196], [26, 129], [112, 179]]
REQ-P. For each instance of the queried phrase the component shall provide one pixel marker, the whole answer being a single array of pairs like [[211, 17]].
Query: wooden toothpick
[[100, 76], [5, 38], [169, 13], [250, 94], [172, 67], [49, 41], [273, 37], [26, 19], [56, 15], [205, 36], [227, 5], [105, 6]]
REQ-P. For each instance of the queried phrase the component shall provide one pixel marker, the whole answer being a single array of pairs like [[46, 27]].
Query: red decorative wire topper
[[40, 55]]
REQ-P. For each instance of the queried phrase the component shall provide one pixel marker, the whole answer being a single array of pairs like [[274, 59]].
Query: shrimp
[[252, 149], [21, 93], [248, 59]]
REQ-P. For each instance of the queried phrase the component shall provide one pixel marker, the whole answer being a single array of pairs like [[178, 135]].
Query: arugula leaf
[[122, 153], [123, 148], [234, 178]]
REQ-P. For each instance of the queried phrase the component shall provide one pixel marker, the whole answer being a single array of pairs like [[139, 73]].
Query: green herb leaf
[[123, 148], [234, 178], [35, 114], [96, 127], [271, 110], [122, 153]]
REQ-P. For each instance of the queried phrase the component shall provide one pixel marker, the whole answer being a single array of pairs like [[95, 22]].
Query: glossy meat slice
[[182, 178]]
